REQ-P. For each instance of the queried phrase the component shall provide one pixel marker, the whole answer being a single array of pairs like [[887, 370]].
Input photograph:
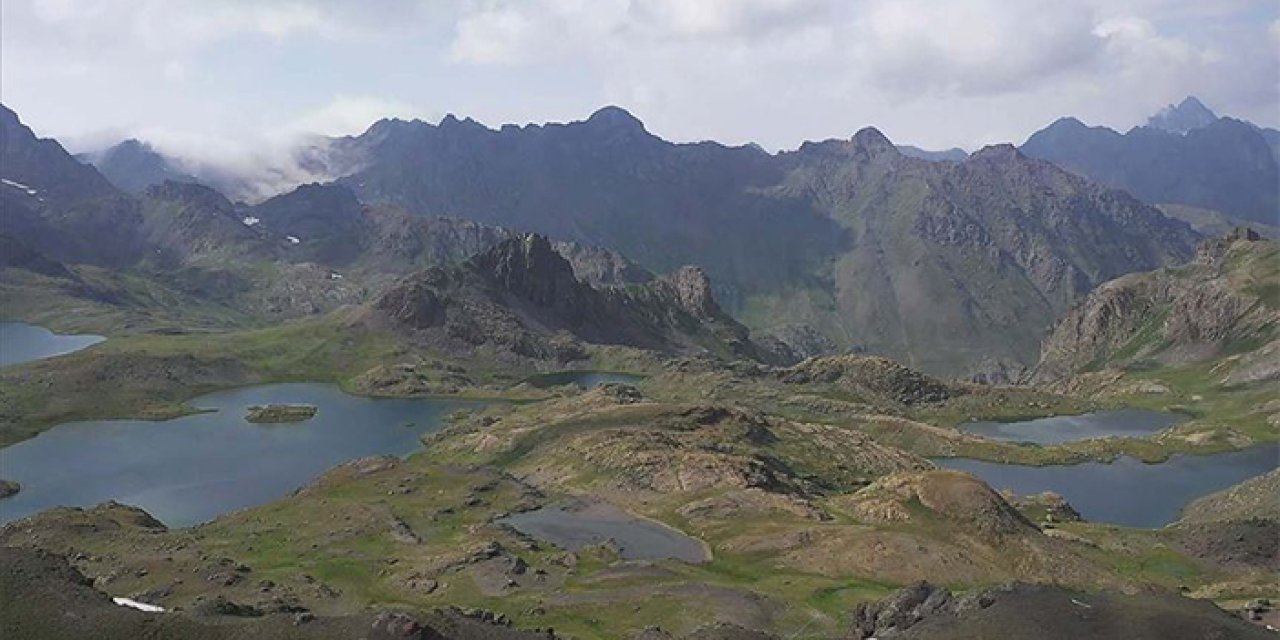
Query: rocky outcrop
[[1222, 303], [522, 297], [870, 378], [959, 499], [1018, 610]]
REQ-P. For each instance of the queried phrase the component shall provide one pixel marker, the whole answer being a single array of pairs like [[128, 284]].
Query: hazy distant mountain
[[134, 165], [1185, 116], [955, 267], [954, 154], [1226, 164]]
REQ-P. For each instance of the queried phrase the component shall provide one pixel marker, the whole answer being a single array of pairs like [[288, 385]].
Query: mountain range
[[1185, 155], [957, 268]]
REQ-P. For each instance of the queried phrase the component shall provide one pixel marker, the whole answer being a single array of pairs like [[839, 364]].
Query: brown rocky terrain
[[1222, 303]]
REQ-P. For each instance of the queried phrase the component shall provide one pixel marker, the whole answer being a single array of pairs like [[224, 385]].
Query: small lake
[[635, 538], [584, 379], [1124, 423], [22, 342], [1128, 491], [195, 468]]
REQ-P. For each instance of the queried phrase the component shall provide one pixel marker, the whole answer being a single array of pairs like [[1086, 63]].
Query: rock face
[[1223, 303], [522, 297], [901, 610], [1185, 116], [932, 263], [925, 612]]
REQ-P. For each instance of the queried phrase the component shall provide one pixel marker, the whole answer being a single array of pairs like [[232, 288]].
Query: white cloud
[[346, 115], [929, 72]]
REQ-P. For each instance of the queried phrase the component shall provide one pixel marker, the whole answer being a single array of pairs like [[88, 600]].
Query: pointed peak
[[1068, 122], [615, 117], [871, 140], [1185, 116]]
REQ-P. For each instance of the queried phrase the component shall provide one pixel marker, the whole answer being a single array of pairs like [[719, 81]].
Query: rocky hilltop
[[1223, 303], [521, 297]]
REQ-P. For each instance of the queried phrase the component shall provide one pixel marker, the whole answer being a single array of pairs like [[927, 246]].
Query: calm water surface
[[1128, 492], [22, 342], [636, 539], [195, 468], [1127, 423]]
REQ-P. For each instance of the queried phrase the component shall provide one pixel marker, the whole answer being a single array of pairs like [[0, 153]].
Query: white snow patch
[[19, 185], [292, 239], [140, 606], [335, 276], [249, 221]]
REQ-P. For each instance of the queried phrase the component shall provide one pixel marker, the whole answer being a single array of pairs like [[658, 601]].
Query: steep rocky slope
[[523, 298], [1223, 303]]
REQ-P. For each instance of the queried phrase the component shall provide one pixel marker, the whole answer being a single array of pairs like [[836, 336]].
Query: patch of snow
[[292, 239], [249, 221], [19, 185], [140, 606], [335, 276]]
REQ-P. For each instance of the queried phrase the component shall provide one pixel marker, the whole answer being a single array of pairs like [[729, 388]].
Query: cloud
[[974, 47], [928, 72], [347, 115]]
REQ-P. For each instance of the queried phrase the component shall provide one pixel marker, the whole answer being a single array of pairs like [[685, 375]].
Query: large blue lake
[[195, 468], [1128, 491]]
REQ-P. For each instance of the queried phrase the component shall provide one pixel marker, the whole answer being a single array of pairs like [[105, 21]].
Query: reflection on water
[[1128, 491], [195, 468]]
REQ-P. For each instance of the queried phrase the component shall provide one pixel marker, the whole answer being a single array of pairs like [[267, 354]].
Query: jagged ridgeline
[[521, 297], [956, 268]]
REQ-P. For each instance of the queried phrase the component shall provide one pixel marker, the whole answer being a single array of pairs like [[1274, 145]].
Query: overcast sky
[[214, 76]]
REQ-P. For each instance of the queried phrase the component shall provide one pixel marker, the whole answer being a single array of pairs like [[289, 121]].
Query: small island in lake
[[8, 488], [277, 413]]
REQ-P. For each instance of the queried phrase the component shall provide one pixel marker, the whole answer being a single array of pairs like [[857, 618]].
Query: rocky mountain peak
[[527, 266], [1185, 116], [613, 117], [692, 288], [872, 142]]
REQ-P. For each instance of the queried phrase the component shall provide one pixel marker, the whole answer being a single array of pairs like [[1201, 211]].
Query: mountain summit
[[1186, 116]]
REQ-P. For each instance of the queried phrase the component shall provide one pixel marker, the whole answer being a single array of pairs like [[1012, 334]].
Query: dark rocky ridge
[[523, 297], [926, 612]]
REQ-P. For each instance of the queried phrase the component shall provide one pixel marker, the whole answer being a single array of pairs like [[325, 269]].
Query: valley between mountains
[[755, 373]]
